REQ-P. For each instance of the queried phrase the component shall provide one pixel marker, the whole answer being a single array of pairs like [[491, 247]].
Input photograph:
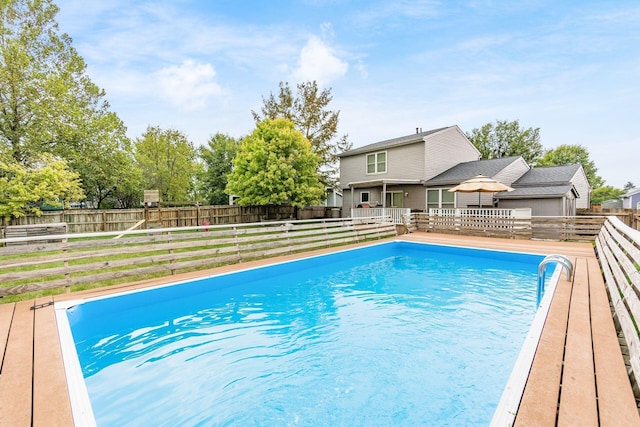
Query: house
[[505, 170], [631, 200], [549, 191], [416, 171], [391, 173]]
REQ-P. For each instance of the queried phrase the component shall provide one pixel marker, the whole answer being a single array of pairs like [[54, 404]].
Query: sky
[[570, 68]]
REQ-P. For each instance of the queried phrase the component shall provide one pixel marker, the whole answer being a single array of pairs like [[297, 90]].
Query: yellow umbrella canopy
[[480, 184]]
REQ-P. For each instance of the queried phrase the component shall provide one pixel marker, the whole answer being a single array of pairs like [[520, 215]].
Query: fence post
[[67, 276], [172, 260]]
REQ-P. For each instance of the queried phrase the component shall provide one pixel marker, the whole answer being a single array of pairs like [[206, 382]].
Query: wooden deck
[[578, 375]]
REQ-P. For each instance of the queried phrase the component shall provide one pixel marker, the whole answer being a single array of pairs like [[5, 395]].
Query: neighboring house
[[391, 173], [549, 191], [631, 200], [416, 172], [334, 197]]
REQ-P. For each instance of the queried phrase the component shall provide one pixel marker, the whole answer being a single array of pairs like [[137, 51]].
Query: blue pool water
[[393, 334]]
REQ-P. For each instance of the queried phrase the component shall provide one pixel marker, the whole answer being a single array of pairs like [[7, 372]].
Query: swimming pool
[[390, 334]]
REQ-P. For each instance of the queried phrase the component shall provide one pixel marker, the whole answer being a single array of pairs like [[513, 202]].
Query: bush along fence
[[31, 264], [91, 220], [618, 250], [578, 228]]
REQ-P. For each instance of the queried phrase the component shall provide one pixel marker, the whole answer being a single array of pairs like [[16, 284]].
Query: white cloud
[[318, 62], [188, 85]]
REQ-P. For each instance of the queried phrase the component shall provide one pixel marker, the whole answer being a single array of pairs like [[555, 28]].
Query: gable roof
[[632, 192], [395, 142], [534, 192], [546, 176], [467, 170]]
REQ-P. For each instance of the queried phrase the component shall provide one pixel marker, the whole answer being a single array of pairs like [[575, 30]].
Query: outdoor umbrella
[[480, 184]]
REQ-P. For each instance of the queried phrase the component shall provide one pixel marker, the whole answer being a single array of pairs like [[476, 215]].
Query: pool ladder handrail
[[560, 259]]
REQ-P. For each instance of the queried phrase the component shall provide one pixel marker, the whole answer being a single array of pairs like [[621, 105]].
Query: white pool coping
[[504, 414]]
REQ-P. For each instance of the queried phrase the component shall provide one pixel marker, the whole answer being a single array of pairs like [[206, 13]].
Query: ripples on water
[[417, 338]]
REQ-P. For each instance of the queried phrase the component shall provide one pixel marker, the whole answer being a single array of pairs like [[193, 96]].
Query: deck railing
[[618, 250], [508, 223], [398, 215], [30, 264]]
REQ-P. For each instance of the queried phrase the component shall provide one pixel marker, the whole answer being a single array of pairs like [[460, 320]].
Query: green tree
[[166, 159], [275, 165], [628, 186], [505, 139], [48, 104], [308, 110], [605, 192], [218, 158], [24, 189], [566, 154]]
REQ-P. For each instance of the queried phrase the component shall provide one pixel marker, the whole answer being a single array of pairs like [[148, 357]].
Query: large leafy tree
[[567, 154], [309, 112], [24, 189], [48, 104], [166, 159], [276, 165], [218, 158], [505, 139]]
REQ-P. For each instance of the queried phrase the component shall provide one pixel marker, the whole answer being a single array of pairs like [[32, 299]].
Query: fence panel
[[81, 259], [512, 226]]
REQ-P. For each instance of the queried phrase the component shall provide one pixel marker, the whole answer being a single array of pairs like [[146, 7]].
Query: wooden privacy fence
[[551, 228], [103, 257], [630, 217], [618, 249], [92, 220]]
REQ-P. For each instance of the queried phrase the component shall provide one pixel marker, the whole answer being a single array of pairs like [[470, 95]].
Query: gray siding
[[581, 183], [445, 149], [403, 162], [539, 207], [511, 173]]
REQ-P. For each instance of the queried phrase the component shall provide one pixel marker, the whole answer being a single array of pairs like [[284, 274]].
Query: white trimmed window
[[377, 162], [440, 198], [365, 196]]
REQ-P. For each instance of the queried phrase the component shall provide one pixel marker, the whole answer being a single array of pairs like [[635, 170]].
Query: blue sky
[[570, 68]]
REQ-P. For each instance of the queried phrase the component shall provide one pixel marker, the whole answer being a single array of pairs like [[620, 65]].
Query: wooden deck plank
[[616, 403], [540, 398], [6, 316], [578, 396], [50, 400], [15, 381]]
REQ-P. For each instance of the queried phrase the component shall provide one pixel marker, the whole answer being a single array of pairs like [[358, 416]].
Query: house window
[[365, 197], [394, 199], [440, 198], [377, 162]]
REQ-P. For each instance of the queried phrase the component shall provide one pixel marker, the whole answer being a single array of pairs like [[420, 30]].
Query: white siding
[[511, 173], [445, 149], [581, 183]]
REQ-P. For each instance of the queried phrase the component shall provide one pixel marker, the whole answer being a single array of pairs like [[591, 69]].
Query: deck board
[[6, 316], [541, 395], [33, 384], [578, 395], [49, 381], [616, 403], [15, 384]]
